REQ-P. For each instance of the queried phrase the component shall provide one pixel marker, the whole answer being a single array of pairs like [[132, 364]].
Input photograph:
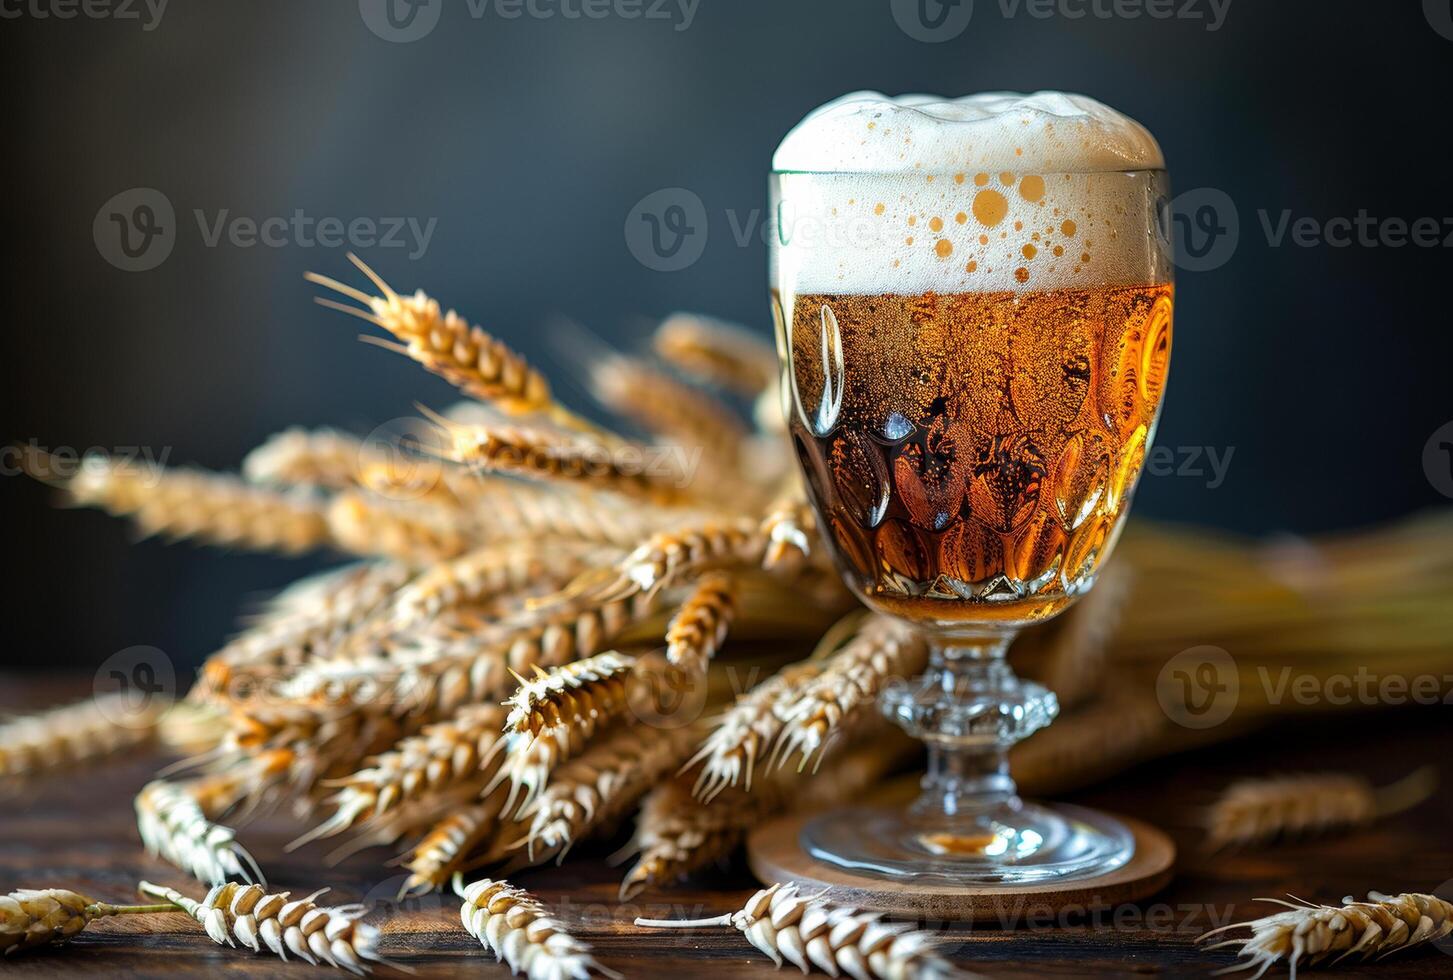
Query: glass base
[[1012, 843]]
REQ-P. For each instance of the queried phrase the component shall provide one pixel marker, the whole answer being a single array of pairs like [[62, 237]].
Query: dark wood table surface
[[75, 830]]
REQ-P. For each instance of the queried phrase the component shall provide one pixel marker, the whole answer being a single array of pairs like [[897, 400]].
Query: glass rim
[[953, 173]]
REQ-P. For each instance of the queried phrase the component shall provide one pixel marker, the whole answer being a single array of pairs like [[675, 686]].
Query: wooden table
[[75, 830]]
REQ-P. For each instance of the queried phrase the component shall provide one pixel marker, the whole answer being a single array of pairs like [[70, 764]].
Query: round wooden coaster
[[775, 855]]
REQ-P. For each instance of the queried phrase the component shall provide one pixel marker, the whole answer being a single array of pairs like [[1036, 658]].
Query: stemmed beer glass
[[973, 363]]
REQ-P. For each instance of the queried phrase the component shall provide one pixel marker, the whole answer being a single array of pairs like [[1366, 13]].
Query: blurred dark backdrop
[[1322, 370]]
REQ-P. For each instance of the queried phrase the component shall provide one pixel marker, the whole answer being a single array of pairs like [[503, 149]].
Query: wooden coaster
[[775, 855]]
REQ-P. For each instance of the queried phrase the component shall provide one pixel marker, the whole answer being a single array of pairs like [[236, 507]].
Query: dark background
[[530, 140]]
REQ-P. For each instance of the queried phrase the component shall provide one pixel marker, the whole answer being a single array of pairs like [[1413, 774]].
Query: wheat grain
[[450, 842], [32, 917], [789, 527], [520, 931], [592, 791], [408, 531], [210, 507], [847, 687], [172, 819], [808, 932], [443, 755], [700, 625], [76, 733], [720, 353], [234, 914], [744, 733], [316, 457], [1314, 934], [1254, 810]]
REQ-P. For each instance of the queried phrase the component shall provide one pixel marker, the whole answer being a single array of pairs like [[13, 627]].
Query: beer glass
[[972, 367]]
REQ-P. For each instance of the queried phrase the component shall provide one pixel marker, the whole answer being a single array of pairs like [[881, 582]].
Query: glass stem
[[969, 707]]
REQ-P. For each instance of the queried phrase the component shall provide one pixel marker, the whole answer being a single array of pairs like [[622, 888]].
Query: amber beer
[[976, 461]]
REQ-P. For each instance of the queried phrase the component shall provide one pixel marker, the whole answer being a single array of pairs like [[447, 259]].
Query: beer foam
[[986, 192]]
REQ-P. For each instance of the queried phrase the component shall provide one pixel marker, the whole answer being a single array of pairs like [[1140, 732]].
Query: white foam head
[[986, 192]]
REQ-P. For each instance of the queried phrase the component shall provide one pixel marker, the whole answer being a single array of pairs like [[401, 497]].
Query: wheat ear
[[790, 527], [75, 733], [592, 791], [811, 932], [446, 344], [173, 821], [558, 457], [700, 626], [846, 689], [1315, 934], [210, 507], [1301, 804], [248, 915], [669, 556], [34, 917], [717, 352], [450, 843], [577, 694], [307, 457], [442, 756], [409, 531], [520, 931]]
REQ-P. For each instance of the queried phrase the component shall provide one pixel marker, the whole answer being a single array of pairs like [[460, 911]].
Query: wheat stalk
[[1255, 810], [75, 733], [700, 625], [173, 820], [744, 733], [32, 917], [592, 791], [1316, 934], [847, 687], [236, 914], [442, 756], [211, 507], [719, 353], [520, 931], [808, 932]]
